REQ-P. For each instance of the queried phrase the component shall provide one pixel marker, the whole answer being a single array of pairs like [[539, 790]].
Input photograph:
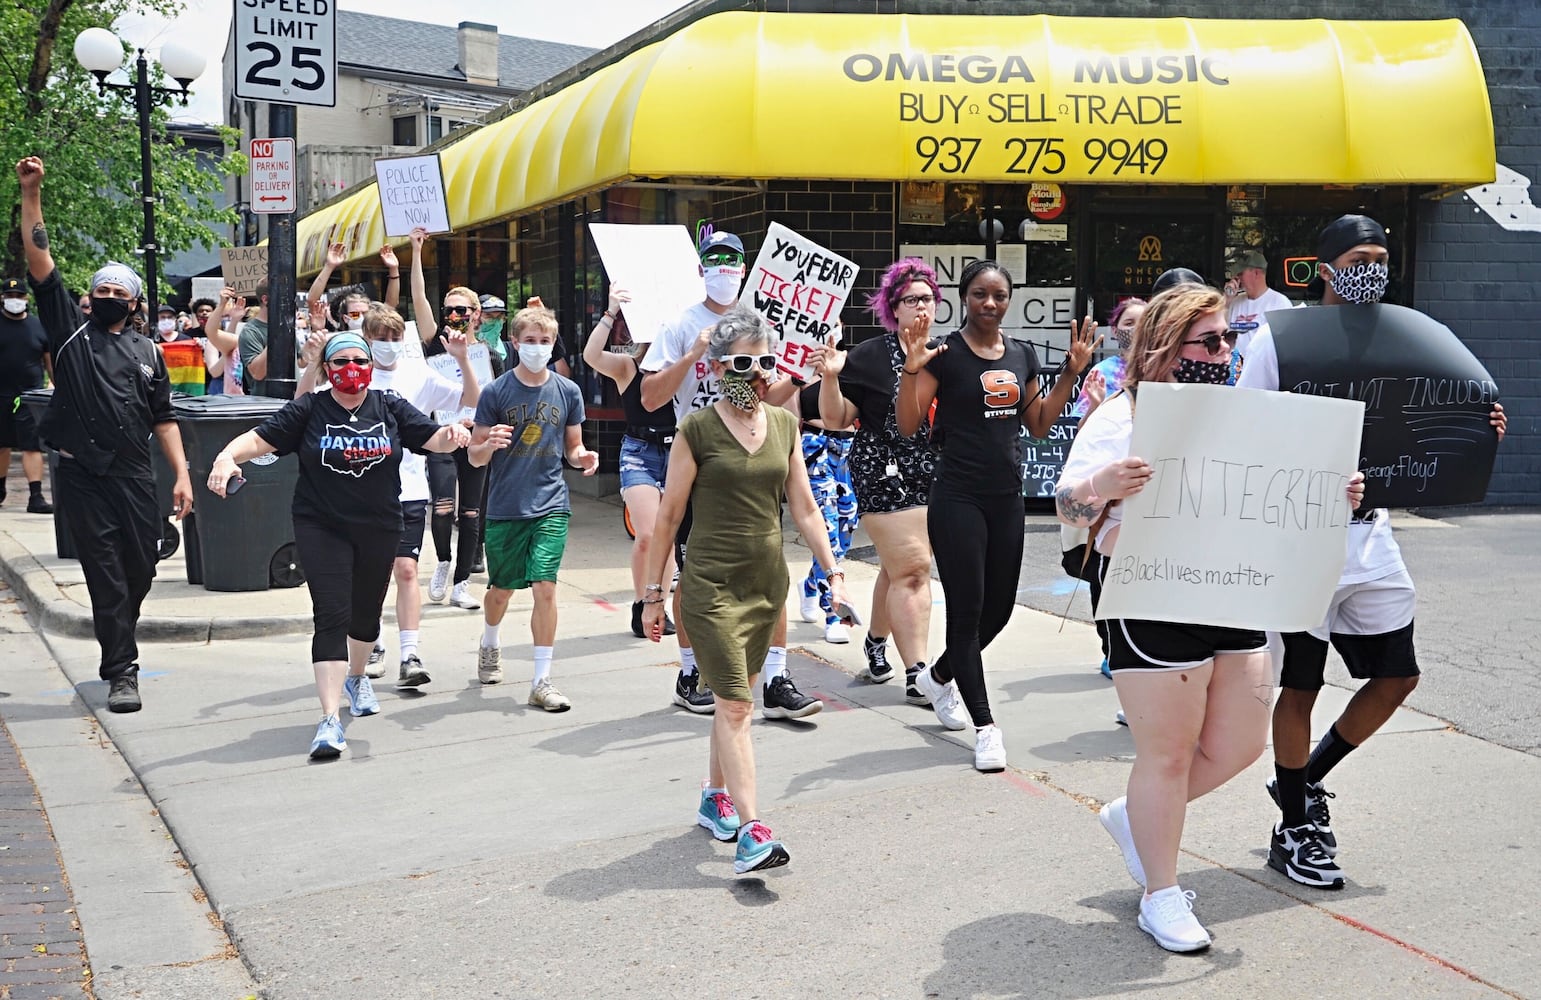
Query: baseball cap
[[1174, 277], [722, 241], [166, 307], [12, 286], [491, 303], [1250, 258]]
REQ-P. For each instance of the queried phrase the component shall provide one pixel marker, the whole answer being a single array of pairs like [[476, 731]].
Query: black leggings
[[348, 568], [449, 476], [977, 543]]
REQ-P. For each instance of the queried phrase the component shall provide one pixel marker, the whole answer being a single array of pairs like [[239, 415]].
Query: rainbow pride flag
[[184, 364]]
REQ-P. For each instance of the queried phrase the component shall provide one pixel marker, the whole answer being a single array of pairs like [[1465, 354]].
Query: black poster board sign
[[1427, 441], [1043, 459]]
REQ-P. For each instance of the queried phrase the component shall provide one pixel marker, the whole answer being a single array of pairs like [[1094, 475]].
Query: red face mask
[[350, 377]]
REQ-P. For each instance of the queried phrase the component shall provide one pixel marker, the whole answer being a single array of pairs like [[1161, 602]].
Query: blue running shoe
[[758, 848], [1105, 671], [718, 815], [361, 696], [329, 742]]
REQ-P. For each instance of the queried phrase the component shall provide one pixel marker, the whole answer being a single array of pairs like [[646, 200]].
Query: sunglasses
[[345, 362], [457, 310], [743, 364], [722, 259], [1212, 342], [916, 301]]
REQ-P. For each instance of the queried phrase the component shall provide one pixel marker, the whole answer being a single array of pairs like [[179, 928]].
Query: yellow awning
[[974, 98]]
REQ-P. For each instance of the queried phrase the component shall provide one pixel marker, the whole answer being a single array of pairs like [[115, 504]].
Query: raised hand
[[29, 171], [618, 297], [829, 360], [336, 255], [1082, 346], [418, 236], [456, 343], [1096, 388], [388, 257], [914, 339]]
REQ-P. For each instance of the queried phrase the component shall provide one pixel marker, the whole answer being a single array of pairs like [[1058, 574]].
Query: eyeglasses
[[722, 259], [743, 364], [457, 310], [345, 362], [1212, 341], [916, 301], [355, 315]]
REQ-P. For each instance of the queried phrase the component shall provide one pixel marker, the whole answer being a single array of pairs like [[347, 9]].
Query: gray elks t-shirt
[[525, 479]]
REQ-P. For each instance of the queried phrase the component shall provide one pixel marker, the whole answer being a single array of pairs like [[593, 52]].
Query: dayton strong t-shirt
[[525, 479], [349, 461]]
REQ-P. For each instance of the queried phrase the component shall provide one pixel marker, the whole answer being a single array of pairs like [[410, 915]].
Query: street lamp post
[[101, 52]]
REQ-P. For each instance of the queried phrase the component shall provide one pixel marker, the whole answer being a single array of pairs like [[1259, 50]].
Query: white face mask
[[723, 283], [355, 322], [166, 325], [385, 352], [534, 356], [15, 306]]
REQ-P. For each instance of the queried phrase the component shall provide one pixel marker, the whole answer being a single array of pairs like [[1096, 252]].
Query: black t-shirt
[[979, 406], [638, 415], [867, 380], [110, 389], [23, 342], [349, 461]]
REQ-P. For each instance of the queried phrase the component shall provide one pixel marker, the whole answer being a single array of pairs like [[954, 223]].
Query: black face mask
[[109, 311]]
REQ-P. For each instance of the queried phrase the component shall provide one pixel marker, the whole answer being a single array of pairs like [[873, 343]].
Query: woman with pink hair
[[892, 473]]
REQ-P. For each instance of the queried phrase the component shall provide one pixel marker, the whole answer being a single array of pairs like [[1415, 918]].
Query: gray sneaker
[[375, 667], [412, 674], [489, 665]]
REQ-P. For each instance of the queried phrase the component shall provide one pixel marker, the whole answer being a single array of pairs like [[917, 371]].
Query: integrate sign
[[272, 176], [286, 51]]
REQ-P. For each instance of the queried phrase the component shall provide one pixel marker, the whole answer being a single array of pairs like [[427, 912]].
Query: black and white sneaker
[[878, 669], [1316, 812], [692, 694], [784, 701], [1297, 852], [912, 693]]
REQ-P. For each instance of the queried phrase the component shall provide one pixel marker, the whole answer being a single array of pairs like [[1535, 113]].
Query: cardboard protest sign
[[481, 364], [412, 194], [658, 266], [207, 288], [800, 288], [243, 267], [1245, 518], [1427, 441]]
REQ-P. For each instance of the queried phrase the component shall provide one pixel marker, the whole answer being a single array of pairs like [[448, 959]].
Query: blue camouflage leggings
[[830, 477]]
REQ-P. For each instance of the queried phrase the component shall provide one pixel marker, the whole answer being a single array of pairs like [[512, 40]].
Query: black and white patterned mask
[[1361, 284], [1204, 372]]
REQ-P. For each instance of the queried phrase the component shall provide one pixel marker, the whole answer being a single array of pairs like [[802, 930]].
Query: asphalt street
[[1479, 582]]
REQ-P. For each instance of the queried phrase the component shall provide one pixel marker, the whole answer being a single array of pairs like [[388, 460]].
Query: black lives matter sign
[[286, 51]]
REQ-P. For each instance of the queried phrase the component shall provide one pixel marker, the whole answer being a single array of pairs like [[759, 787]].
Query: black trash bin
[[243, 542]]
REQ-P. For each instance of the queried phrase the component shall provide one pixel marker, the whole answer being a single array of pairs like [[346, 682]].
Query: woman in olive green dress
[[731, 462]]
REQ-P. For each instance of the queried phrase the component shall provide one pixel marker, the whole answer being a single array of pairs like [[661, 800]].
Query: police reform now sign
[[271, 169], [286, 51]]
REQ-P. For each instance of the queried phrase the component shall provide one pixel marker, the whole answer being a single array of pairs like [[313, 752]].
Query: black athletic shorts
[[17, 428], [1147, 646], [414, 516], [1389, 654]]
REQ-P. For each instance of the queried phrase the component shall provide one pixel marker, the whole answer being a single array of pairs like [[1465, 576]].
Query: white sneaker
[[836, 632], [1115, 820], [944, 700], [810, 609], [545, 695], [461, 597], [1168, 917], [989, 749], [439, 585]]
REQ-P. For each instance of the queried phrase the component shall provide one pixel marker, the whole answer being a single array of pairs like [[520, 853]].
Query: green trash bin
[[246, 541]]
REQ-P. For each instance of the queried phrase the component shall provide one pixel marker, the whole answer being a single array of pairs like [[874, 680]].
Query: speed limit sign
[[286, 51]]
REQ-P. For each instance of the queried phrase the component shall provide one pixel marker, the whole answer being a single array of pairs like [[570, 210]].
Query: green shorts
[[523, 552]]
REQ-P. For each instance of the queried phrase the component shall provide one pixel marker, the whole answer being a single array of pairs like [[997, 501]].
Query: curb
[[56, 614]]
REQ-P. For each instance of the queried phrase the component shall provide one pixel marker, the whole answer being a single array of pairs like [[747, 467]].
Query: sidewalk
[[467, 845]]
